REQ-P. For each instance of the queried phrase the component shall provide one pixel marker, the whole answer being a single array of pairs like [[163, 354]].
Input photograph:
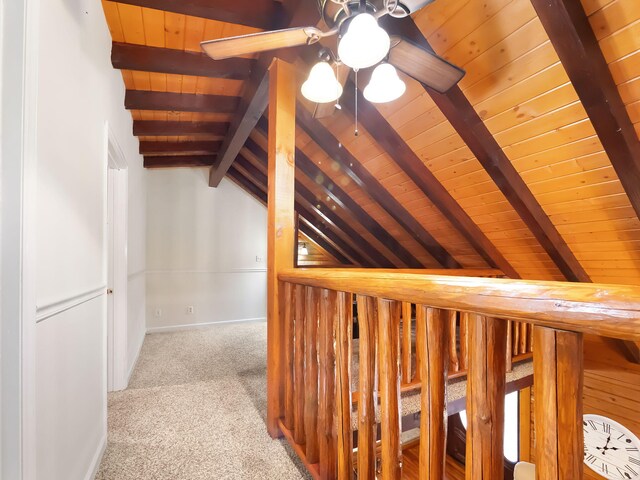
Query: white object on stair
[[524, 471]]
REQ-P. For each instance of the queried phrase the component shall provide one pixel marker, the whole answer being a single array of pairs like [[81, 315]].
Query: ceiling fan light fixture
[[321, 86], [364, 44], [385, 85]]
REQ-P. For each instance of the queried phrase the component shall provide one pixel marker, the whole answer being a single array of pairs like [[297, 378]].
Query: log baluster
[[524, 337], [299, 362], [368, 389], [558, 383], [327, 440], [509, 354], [464, 341], [515, 337], [344, 335], [432, 332], [311, 375], [406, 343], [486, 384], [288, 334], [454, 363], [389, 350]]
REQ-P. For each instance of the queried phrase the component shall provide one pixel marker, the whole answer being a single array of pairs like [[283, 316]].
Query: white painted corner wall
[[206, 248]]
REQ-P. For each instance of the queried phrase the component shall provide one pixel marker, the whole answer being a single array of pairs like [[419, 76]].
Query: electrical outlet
[[158, 312], [190, 309], [259, 259]]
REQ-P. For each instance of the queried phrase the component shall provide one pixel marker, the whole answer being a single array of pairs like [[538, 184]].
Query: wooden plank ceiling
[[518, 168]]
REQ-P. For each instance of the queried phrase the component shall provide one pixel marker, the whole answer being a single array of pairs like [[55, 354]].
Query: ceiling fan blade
[[259, 42], [423, 65]]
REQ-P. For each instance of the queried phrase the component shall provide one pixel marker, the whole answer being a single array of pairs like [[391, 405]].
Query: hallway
[[194, 410]]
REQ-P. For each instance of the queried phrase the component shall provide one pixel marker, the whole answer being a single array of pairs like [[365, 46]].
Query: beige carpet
[[195, 410]]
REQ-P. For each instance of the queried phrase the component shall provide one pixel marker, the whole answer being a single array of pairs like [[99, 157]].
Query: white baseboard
[[97, 458], [135, 361], [191, 326]]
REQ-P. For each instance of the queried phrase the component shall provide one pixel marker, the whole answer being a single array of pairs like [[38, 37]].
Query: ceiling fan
[[362, 43]]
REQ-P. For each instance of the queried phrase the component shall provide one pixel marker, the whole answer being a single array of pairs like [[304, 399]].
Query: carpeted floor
[[195, 410]]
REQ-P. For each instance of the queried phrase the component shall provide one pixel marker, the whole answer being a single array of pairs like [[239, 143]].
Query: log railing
[[493, 321]]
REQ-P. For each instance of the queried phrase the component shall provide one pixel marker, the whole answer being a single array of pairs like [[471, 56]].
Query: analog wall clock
[[610, 449]]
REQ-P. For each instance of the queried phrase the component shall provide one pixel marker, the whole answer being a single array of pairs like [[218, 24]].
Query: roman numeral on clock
[[635, 461], [606, 428], [591, 458]]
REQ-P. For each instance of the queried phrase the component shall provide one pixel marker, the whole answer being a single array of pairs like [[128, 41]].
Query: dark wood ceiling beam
[[365, 180], [264, 14], [153, 128], [573, 38], [128, 56], [465, 120], [401, 153], [375, 258], [179, 102], [256, 93], [259, 193], [310, 211], [344, 201], [178, 148], [178, 161]]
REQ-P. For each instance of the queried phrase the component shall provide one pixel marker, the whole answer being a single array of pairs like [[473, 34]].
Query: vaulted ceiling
[[518, 168]]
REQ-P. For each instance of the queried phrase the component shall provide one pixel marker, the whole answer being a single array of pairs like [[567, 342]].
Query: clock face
[[610, 449]]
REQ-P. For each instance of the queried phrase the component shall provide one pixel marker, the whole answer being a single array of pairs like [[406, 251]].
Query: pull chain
[[338, 106], [355, 133]]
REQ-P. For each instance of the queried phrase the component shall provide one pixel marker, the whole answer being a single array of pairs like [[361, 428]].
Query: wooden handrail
[[600, 309]]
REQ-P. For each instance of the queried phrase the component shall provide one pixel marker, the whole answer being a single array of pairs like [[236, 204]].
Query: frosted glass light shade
[[321, 86], [364, 44], [385, 85]]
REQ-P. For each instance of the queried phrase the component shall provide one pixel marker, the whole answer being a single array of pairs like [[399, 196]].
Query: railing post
[[326, 386], [389, 351], [368, 389], [288, 335], [432, 334], [298, 368], [558, 381], [344, 336], [406, 343], [280, 226], [311, 375], [486, 382]]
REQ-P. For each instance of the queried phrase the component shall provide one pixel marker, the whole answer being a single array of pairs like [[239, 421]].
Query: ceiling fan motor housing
[[407, 7], [334, 14]]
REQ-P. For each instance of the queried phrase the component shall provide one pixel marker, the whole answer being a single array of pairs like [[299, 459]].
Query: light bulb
[[322, 85], [385, 85], [364, 44], [303, 249]]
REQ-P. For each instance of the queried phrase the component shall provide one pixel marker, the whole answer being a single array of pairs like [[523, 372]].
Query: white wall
[[202, 245], [78, 93]]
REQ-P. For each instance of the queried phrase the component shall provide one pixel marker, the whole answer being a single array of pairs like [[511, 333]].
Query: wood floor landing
[[410, 461]]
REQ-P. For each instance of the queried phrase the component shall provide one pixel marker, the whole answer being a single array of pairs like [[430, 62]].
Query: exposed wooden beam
[[465, 120], [179, 148], [365, 180], [395, 146], [311, 170], [573, 38], [252, 105], [179, 102], [151, 128], [372, 256], [261, 195], [255, 97], [308, 210], [179, 161], [263, 14], [128, 56]]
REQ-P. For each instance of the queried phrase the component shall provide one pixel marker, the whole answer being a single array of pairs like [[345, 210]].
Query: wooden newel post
[[558, 381], [281, 226], [486, 386]]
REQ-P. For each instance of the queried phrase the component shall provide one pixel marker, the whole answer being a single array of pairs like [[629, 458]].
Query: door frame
[[117, 204]]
